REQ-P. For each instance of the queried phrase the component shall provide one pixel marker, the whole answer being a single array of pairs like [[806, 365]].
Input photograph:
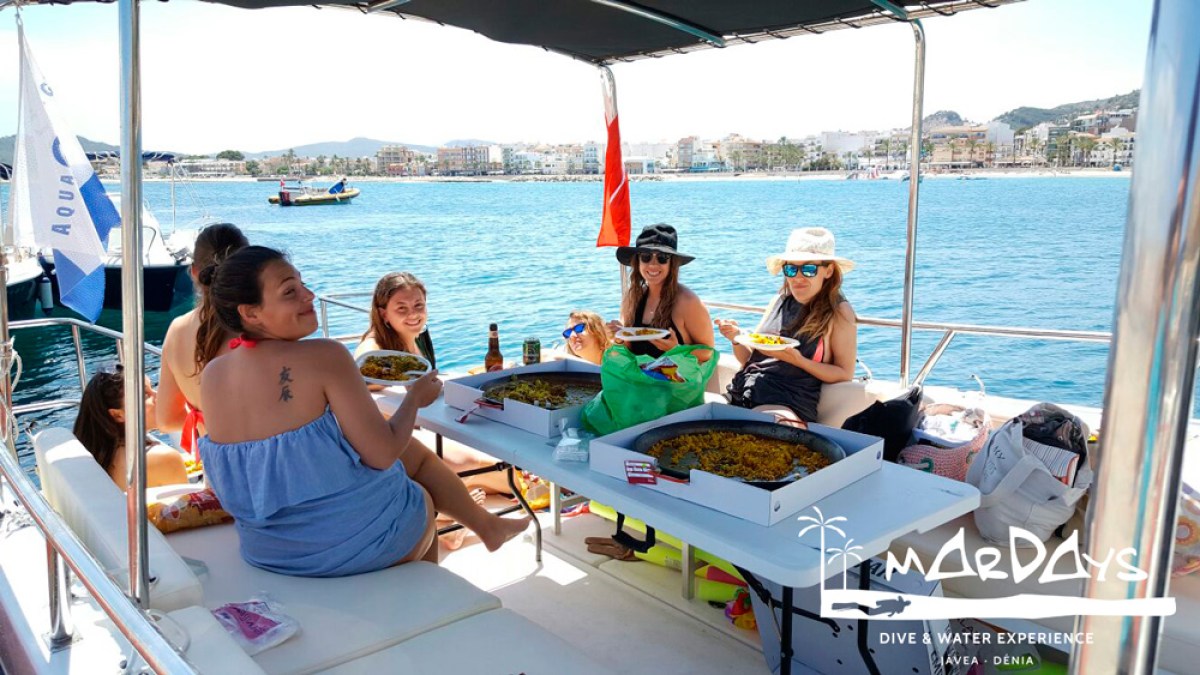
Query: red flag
[[615, 222]]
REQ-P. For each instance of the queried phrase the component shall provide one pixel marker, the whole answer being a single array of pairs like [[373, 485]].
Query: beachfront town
[[1099, 139]]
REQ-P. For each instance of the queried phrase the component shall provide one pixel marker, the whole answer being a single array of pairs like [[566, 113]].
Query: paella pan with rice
[[760, 453]]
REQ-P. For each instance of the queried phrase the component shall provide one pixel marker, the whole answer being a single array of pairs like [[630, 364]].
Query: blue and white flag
[[57, 196]]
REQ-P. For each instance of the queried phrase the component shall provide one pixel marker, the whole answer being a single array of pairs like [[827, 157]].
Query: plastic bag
[[256, 625], [631, 397], [573, 446]]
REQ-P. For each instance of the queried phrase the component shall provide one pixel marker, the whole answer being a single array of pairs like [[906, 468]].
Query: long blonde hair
[[822, 309], [594, 325], [386, 336], [638, 289]]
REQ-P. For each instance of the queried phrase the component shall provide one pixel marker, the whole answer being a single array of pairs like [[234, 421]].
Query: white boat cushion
[[209, 648], [838, 401], [341, 618], [522, 647], [1181, 632], [94, 508]]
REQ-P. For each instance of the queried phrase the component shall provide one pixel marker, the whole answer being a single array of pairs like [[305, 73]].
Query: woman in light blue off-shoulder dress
[[317, 482]]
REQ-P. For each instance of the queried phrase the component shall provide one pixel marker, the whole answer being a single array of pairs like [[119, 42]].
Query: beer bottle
[[493, 360]]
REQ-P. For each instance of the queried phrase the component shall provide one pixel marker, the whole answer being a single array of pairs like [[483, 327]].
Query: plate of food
[[390, 368], [641, 334], [765, 342]]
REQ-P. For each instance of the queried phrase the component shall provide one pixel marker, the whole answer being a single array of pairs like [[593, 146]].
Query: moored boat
[[306, 195]]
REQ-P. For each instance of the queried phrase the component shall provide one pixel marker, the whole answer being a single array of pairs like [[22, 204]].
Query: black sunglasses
[[577, 329], [646, 256], [808, 270]]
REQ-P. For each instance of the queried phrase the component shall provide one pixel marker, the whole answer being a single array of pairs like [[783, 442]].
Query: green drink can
[[532, 351]]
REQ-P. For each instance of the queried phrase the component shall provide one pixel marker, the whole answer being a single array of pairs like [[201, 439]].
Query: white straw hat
[[808, 244]]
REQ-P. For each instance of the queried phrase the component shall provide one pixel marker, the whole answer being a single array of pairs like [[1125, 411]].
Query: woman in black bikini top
[[656, 299]]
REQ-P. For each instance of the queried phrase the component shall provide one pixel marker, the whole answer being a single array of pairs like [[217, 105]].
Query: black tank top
[[766, 380], [644, 347]]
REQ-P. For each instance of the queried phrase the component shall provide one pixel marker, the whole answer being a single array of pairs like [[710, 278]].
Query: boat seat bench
[[341, 619]]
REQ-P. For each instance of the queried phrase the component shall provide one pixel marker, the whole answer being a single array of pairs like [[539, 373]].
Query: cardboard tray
[[864, 455], [462, 393]]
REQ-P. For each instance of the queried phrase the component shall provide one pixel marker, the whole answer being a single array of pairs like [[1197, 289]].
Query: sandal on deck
[[606, 546]]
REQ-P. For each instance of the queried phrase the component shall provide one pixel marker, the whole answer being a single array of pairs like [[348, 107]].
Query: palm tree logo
[[845, 552], [823, 524]]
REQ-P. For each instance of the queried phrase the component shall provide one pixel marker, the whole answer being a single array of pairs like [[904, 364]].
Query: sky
[[217, 78]]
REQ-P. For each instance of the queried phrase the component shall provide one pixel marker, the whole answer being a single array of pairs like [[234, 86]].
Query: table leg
[[438, 444], [537, 528], [864, 625], [688, 556], [556, 507], [785, 634]]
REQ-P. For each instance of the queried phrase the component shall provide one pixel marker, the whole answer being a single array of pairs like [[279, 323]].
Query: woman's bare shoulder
[[367, 345], [846, 313]]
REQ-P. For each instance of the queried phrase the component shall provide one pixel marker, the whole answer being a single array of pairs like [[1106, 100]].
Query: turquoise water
[[1040, 253]]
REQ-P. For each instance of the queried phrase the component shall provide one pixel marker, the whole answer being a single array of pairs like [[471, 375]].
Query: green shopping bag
[[631, 397]]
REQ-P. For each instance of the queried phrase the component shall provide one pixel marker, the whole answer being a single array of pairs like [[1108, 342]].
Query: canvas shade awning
[[607, 31]]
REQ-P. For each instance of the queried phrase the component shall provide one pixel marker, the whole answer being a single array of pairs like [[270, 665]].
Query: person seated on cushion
[[399, 322], [193, 340], [317, 482], [587, 337], [100, 427], [810, 308], [656, 299]]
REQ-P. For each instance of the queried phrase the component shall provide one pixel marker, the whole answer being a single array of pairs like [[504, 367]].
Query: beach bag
[[893, 421], [936, 453], [631, 397], [1018, 487]]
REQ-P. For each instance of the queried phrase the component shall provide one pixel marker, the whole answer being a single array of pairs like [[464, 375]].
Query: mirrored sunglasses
[[808, 270], [646, 256], [577, 329]]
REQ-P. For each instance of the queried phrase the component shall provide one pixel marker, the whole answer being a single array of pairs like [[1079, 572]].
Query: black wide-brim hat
[[660, 238]]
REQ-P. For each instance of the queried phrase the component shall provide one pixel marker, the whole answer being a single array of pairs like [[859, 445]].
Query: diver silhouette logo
[[956, 560], [889, 607]]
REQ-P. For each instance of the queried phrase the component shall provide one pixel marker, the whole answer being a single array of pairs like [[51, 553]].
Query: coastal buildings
[[1097, 138]]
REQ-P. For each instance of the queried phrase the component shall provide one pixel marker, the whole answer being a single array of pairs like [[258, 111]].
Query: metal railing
[[65, 550], [950, 330]]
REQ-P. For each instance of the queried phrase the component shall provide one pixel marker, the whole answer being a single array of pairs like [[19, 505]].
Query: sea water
[[1021, 252]]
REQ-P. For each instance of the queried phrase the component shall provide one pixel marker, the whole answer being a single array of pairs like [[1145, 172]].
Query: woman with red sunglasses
[[811, 309], [656, 299]]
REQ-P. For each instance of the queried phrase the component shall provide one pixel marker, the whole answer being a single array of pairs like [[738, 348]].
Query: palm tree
[[823, 524], [845, 552], [971, 145], [990, 149]]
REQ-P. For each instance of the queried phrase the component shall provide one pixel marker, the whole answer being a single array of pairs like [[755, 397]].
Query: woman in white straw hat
[[809, 308]]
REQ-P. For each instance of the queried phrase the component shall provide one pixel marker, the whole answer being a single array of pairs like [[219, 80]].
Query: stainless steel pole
[[1151, 369], [914, 189], [131, 299]]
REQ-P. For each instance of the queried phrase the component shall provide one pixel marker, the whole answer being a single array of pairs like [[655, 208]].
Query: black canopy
[[604, 31]]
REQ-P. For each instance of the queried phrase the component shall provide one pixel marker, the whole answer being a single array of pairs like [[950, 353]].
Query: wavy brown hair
[[95, 427], [386, 336], [637, 292], [214, 244], [822, 309], [594, 325]]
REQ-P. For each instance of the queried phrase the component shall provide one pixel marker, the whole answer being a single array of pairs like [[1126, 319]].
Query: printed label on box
[[640, 472]]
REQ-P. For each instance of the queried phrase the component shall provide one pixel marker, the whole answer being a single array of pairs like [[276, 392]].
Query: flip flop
[[606, 546]]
